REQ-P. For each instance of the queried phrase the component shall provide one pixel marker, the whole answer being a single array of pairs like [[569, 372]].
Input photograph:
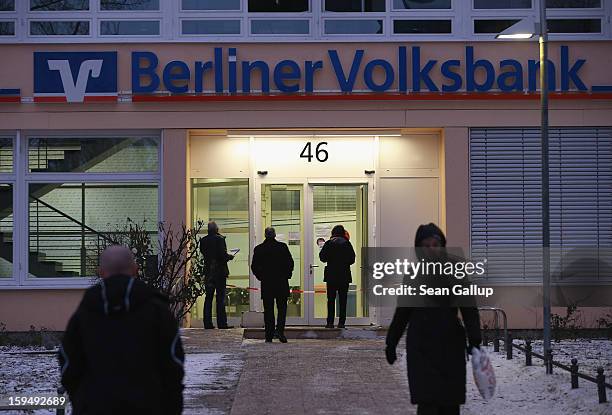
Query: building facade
[[378, 114]]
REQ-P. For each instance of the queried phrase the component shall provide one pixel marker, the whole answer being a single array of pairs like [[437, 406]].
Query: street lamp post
[[525, 29]]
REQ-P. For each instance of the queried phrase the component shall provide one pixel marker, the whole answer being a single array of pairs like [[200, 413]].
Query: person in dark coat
[[273, 265], [339, 255], [435, 341], [121, 352], [216, 271]]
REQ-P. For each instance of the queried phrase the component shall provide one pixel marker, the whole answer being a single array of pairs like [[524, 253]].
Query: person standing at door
[[339, 255], [214, 251], [273, 266]]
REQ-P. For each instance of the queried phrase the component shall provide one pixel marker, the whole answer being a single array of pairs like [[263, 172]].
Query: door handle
[[311, 267]]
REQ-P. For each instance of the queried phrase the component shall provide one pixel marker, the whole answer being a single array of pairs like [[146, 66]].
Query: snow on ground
[[590, 353], [529, 390]]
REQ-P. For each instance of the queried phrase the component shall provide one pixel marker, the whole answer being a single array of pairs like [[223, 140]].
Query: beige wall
[[48, 309]]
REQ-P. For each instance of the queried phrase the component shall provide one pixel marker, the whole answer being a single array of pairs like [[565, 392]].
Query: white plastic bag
[[484, 377]]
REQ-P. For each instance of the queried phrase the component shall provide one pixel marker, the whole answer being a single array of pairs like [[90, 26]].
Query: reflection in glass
[[68, 220], [574, 25], [7, 5], [59, 28], [502, 4], [129, 27], [58, 5], [422, 26], [280, 27], [421, 4], [279, 6], [493, 26], [354, 5], [7, 28], [577, 4], [353, 27], [6, 154], [6, 230], [211, 27], [211, 4], [93, 154], [226, 201], [129, 4]]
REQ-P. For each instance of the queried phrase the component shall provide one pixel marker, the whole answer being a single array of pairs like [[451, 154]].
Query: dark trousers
[[270, 324], [208, 300], [431, 409], [342, 291]]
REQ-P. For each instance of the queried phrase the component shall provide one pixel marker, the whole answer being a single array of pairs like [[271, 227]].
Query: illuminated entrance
[[303, 185]]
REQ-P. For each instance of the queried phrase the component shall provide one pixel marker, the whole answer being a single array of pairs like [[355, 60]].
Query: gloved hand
[[390, 354]]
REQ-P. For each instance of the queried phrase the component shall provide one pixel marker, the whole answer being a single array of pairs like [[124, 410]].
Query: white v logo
[[75, 92]]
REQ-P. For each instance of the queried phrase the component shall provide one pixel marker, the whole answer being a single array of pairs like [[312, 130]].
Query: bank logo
[[75, 76]]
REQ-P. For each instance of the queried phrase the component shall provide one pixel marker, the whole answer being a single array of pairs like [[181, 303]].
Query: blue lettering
[[200, 69], [402, 68], [533, 69], [346, 84], [218, 70], [516, 74], [568, 73], [311, 67], [176, 71], [470, 71], [421, 74], [368, 75], [453, 76], [140, 71], [287, 70], [247, 67], [232, 87]]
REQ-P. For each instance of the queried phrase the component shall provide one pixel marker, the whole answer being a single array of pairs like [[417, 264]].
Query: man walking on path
[[121, 352], [214, 251], [273, 265], [339, 255]]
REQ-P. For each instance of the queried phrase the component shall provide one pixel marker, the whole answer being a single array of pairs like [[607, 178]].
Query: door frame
[[308, 317]]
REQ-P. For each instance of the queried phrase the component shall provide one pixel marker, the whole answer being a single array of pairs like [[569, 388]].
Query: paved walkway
[[342, 376]]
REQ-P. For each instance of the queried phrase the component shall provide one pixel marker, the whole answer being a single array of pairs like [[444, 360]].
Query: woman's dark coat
[[436, 347], [272, 265], [339, 255]]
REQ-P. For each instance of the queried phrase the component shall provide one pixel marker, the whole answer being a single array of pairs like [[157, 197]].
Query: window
[[6, 154], [129, 4], [574, 25], [273, 27], [68, 222], [354, 5], [420, 4], [493, 26], [354, 27], [6, 230], [226, 201], [129, 28], [502, 4], [58, 5], [211, 27], [7, 5], [7, 28], [422, 26], [283, 6], [210, 4], [93, 154], [575, 4], [59, 28]]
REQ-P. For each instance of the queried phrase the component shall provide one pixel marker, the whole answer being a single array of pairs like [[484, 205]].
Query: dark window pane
[[6, 154], [578, 4], [211, 27], [574, 26], [493, 26], [421, 4], [287, 27], [59, 28], [422, 26], [93, 154], [6, 230], [353, 27], [502, 4], [211, 4], [278, 6], [7, 5], [129, 27], [7, 28], [55, 5], [354, 5], [129, 4]]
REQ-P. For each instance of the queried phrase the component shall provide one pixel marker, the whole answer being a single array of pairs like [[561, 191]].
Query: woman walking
[[435, 340]]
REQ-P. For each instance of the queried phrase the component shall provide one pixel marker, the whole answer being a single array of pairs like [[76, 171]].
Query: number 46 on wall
[[321, 153]]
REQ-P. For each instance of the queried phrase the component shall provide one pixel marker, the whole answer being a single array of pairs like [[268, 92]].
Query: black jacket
[[214, 251], [435, 350], [121, 352], [339, 255], [272, 265]]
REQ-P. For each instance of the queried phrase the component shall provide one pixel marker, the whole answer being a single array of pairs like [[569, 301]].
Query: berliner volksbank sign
[[82, 76]]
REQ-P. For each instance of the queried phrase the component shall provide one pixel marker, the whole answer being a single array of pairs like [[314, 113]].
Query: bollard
[[574, 371], [601, 385], [60, 392], [485, 337], [528, 352], [548, 361], [508, 346], [496, 334]]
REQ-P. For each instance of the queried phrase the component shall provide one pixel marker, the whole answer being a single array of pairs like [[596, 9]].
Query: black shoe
[[207, 327], [341, 326], [282, 338], [226, 327], [268, 340], [329, 326]]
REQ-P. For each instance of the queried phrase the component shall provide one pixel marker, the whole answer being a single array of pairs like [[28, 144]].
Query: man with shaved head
[[121, 352]]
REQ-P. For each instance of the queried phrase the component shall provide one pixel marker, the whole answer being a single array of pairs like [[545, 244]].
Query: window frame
[[11, 178]]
